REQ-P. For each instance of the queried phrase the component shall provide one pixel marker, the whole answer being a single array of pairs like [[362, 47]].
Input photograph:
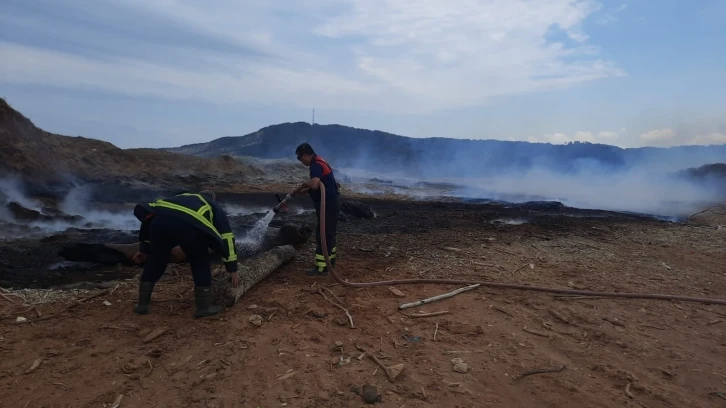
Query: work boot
[[145, 290], [203, 299], [314, 271]]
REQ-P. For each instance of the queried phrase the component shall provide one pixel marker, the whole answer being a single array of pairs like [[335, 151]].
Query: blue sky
[[153, 73]]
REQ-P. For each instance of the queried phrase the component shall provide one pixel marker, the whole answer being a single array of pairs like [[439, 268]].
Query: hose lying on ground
[[324, 246]]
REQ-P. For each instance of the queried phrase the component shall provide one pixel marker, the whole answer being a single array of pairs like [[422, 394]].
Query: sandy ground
[[615, 352]]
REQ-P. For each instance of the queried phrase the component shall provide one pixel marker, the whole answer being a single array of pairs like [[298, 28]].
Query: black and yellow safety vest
[[200, 211]]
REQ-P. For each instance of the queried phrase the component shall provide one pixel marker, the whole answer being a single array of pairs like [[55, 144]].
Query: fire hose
[[498, 285]]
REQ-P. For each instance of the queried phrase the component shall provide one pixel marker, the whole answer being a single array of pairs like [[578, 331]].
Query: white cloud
[[659, 137], [709, 139], [609, 18], [665, 137], [668, 137], [388, 55]]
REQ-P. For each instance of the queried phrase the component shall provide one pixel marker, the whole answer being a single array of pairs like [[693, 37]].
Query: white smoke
[[76, 203], [11, 189]]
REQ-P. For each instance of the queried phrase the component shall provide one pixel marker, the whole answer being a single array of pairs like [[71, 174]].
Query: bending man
[[195, 223], [320, 172]]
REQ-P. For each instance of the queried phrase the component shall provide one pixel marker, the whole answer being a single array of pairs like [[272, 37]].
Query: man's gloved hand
[[288, 197]]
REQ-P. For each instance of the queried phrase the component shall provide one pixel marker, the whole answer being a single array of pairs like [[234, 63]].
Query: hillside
[[432, 157], [37, 156], [708, 172]]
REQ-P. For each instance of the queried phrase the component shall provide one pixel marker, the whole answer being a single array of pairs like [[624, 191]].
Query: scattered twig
[[652, 327], [504, 251], [436, 330], [540, 371], [350, 318], [385, 369], [559, 316], [117, 402], [499, 309], [33, 367], [576, 297], [287, 375], [87, 298], [627, 391], [69, 307], [535, 332], [521, 267], [438, 297], [7, 298], [111, 326], [463, 351], [439, 313], [337, 299], [154, 334], [151, 368], [614, 321]]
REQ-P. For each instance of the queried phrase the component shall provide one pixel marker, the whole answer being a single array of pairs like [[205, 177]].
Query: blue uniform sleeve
[[316, 170], [144, 237]]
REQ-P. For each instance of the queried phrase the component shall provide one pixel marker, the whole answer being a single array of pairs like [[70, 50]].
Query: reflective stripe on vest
[[197, 215]]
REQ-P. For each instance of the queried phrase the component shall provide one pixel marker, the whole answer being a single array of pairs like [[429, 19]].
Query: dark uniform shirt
[[319, 168]]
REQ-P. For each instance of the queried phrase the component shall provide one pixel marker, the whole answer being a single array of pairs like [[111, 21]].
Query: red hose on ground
[[491, 284]]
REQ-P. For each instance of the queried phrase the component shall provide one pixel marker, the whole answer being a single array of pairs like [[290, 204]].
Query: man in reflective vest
[[320, 172], [195, 223]]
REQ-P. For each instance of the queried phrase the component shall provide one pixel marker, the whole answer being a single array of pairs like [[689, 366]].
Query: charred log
[[251, 272], [356, 209], [114, 254], [21, 213]]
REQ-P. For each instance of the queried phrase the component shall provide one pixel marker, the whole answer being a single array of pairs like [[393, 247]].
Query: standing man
[[195, 223], [320, 172]]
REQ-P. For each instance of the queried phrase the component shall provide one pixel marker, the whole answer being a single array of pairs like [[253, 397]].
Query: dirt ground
[[615, 352]]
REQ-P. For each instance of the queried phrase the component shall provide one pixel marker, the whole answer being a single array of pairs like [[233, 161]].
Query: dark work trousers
[[166, 232], [332, 211]]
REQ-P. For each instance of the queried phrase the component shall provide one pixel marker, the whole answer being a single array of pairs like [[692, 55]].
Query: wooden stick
[[380, 364], [438, 297], [6, 298], [350, 318], [627, 391], [540, 371], [535, 332], [417, 315], [576, 297], [87, 298]]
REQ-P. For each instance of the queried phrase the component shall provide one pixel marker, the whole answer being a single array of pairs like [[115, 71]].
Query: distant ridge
[[445, 157]]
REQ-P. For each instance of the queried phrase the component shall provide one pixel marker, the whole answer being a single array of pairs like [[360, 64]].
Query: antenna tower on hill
[[313, 116]]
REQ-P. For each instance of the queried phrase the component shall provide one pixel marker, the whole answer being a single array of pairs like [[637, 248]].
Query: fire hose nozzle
[[280, 204]]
